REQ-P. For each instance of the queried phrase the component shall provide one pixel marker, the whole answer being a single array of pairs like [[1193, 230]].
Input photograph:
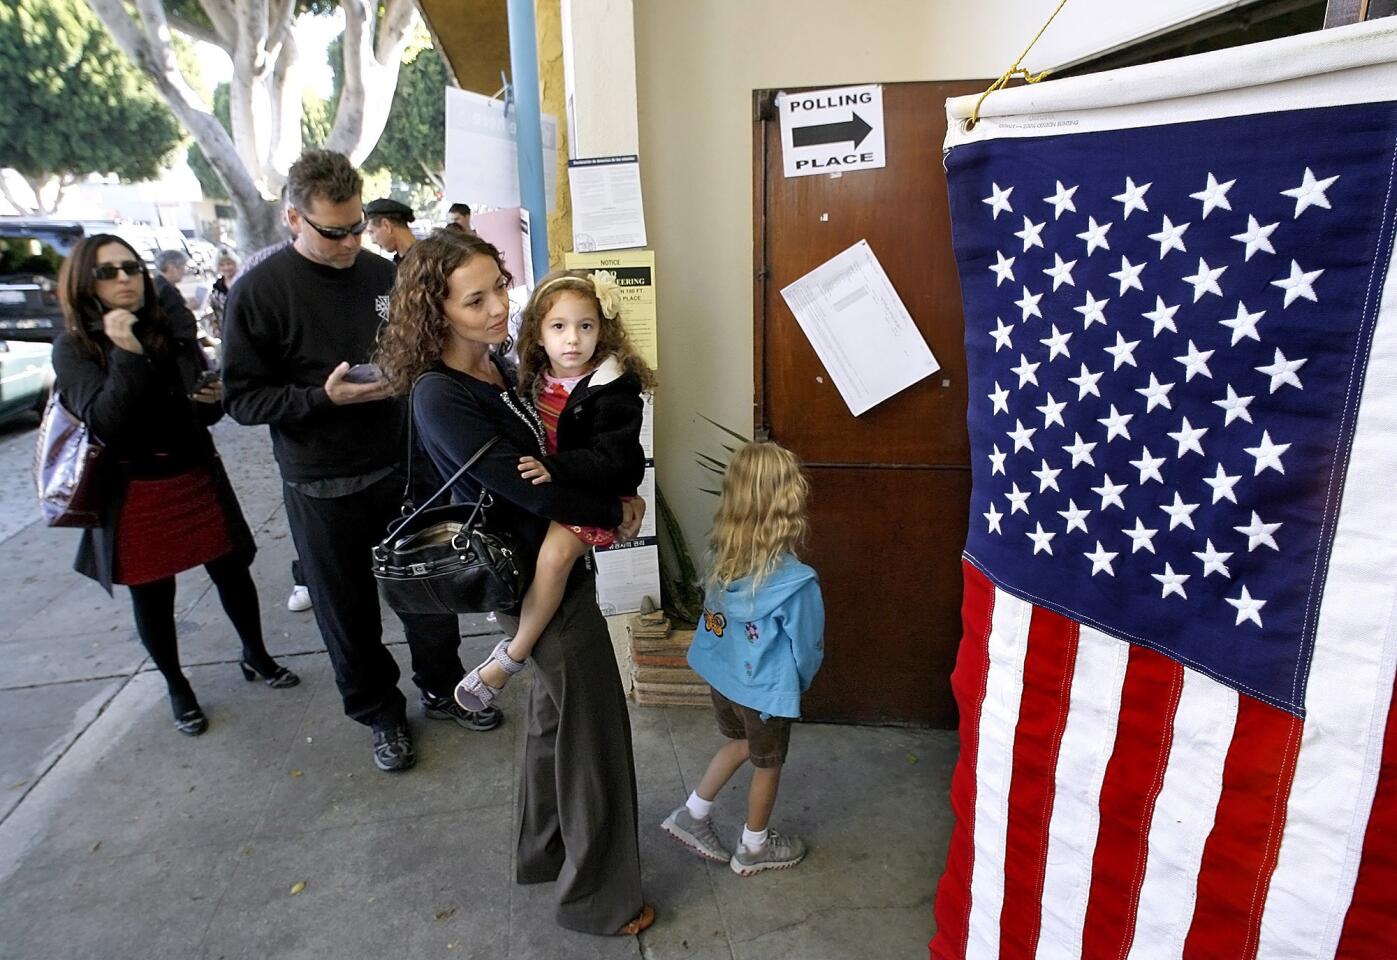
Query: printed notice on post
[[860, 328], [635, 275], [607, 210]]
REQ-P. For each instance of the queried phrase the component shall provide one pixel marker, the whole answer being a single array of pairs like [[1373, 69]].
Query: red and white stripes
[[1113, 804]]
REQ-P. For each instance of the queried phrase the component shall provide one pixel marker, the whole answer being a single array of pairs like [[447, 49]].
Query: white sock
[[753, 840], [698, 807]]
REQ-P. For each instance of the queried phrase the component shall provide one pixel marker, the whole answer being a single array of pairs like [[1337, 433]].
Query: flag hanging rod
[[1288, 58], [1016, 69]]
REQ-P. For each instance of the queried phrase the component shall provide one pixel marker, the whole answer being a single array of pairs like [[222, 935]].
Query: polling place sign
[[832, 131]]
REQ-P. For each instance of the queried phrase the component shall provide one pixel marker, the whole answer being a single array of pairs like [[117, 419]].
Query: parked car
[[26, 378], [32, 250]]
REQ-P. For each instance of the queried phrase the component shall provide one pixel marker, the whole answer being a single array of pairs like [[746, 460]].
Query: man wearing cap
[[388, 220]]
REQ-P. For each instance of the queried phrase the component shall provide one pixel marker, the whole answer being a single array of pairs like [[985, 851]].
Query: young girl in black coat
[[585, 379], [139, 385]]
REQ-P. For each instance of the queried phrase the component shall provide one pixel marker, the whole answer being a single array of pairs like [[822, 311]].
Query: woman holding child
[[450, 307]]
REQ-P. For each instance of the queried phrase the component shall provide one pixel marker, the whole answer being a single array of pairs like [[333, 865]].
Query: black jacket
[[176, 310], [599, 434], [454, 414], [287, 324], [139, 407]]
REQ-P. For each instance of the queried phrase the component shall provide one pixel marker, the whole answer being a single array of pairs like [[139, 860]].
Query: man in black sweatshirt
[[293, 327]]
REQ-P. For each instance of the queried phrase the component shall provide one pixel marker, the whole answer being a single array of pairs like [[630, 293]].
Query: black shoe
[[444, 708], [278, 678], [189, 718], [191, 723], [393, 750]]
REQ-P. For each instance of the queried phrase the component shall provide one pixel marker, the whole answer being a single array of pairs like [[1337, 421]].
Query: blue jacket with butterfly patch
[[761, 647]]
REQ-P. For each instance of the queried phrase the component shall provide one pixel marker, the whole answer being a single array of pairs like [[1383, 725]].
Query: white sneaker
[[299, 601], [777, 853], [698, 835]]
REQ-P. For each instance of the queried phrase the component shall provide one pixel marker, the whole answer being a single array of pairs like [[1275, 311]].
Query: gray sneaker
[[780, 852], [393, 750], [698, 835], [444, 708]]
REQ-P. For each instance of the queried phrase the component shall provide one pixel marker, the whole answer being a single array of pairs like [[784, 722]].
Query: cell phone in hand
[[363, 373], [206, 378]]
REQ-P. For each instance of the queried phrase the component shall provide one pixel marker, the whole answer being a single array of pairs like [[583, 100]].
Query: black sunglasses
[[108, 271], [335, 233]]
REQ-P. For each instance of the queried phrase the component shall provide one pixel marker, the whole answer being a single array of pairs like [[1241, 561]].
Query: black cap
[[391, 209]]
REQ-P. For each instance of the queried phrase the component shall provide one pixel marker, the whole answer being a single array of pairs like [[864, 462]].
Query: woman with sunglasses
[[168, 505]]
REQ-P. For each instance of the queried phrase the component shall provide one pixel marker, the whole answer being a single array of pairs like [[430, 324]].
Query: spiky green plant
[[680, 592]]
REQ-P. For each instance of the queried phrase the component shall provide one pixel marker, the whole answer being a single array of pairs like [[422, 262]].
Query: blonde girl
[[758, 645], [578, 369]]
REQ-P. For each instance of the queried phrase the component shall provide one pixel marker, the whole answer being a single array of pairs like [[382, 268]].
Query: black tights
[[154, 607]]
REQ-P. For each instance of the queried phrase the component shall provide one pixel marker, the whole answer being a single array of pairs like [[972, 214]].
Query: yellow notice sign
[[635, 275]]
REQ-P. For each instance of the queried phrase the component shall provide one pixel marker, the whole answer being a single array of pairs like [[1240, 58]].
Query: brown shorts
[[767, 742]]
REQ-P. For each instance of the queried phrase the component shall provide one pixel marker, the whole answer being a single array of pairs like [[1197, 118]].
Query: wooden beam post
[[1340, 12]]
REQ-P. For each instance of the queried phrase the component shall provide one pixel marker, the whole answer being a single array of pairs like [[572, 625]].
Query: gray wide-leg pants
[[578, 813]]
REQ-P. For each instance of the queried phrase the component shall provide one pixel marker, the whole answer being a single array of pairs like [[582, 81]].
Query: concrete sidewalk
[[119, 838]]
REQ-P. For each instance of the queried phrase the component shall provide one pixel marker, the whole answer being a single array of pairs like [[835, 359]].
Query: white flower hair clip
[[608, 292]]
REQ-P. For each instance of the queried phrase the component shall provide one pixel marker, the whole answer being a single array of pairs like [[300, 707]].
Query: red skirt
[[169, 525]]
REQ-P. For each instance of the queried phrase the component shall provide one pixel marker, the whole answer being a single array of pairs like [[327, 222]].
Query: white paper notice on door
[[860, 328]]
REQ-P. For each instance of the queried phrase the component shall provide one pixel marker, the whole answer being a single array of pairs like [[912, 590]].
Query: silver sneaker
[[780, 852], [698, 835]]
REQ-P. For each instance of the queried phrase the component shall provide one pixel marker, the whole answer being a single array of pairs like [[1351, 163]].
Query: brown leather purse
[[68, 462]]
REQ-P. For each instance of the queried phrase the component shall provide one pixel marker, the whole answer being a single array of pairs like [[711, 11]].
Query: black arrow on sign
[[854, 129]]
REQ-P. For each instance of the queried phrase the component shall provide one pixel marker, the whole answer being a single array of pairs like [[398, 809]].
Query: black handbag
[[442, 559]]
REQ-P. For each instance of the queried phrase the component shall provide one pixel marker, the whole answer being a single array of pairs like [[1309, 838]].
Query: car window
[[28, 256]]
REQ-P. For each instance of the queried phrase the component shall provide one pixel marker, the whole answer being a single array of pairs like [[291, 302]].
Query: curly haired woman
[[578, 809]]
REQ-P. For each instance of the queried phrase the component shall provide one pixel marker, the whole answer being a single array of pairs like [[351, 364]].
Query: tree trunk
[[37, 186], [23, 209], [247, 113], [261, 226], [371, 62], [287, 108], [150, 50], [437, 178], [265, 96]]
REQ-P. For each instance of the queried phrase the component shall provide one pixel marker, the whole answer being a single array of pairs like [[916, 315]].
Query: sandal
[[642, 921], [192, 723], [473, 693]]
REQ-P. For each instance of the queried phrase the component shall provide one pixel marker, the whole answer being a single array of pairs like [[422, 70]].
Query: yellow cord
[[1015, 71]]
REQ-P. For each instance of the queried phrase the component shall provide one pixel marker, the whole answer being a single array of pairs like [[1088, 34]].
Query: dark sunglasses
[[108, 271], [336, 233]]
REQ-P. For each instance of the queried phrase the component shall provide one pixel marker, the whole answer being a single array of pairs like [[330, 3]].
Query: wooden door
[[891, 488]]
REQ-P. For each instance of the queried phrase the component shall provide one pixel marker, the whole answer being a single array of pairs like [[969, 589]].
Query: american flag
[[1177, 663]]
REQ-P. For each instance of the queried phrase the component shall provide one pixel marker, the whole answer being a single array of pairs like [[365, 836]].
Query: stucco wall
[[696, 67]]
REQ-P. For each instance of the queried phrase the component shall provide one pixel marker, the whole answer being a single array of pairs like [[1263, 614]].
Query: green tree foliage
[[72, 103], [412, 149], [316, 120]]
